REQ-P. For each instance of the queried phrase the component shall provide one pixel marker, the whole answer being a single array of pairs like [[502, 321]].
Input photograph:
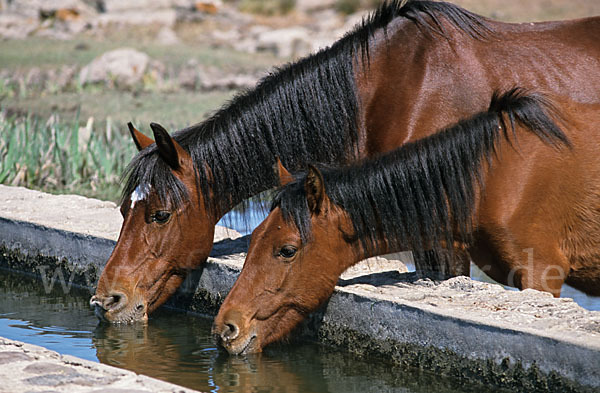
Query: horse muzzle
[[115, 308], [235, 341]]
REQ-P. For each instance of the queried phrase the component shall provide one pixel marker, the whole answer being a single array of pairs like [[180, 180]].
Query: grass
[[44, 141], [170, 109], [62, 157], [532, 10], [171, 106], [267, 7], [48, 53]]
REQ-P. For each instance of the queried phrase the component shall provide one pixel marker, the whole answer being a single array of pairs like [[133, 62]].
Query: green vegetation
[[47, 53], [63, 157], [352, 6], [267, 7], [171, 109], [74, 139]]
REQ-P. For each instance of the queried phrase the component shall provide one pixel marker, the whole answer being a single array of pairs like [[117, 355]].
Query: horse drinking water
[[484, 187], [407, 70]]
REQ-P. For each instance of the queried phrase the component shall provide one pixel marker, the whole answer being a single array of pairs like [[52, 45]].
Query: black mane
[[421, 196], [303, 112]]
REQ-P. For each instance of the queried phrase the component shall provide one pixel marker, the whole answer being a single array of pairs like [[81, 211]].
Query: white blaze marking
[[139, 194]]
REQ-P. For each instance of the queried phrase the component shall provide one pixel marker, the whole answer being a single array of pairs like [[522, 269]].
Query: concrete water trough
[[460, 328]]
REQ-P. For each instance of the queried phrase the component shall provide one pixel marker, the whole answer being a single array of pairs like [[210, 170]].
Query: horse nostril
[[109, 303], [95, 301], [230, 332], [139, 307]]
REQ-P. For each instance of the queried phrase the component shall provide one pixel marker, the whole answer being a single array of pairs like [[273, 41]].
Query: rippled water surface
[[178, 348]]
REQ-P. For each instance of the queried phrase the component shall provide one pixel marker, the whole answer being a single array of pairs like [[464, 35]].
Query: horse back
[[417, 82]]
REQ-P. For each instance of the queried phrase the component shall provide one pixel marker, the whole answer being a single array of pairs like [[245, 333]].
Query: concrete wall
[[469, 330]]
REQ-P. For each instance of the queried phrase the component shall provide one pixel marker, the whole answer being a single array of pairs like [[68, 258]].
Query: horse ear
[[141, 141], [166, 146], [284, 176], [314, 185]]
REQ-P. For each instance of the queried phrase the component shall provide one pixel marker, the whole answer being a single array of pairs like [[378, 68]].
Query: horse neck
[[240, 144]]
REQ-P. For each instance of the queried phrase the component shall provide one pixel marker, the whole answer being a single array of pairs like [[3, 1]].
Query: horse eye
[[287, 251], [161, 216]]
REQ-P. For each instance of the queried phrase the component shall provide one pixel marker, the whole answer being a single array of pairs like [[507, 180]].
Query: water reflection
[[179, 348]]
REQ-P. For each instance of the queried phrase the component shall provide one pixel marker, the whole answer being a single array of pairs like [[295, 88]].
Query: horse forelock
[[421, 196], [147, 173]]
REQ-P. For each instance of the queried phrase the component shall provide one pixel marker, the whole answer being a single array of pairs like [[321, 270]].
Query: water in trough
[[178, 348]]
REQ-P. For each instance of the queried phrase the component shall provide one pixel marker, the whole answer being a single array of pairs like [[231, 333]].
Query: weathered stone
[[164, 17], [167, 36], [312, 5], [123, 66], [37, 8], [67, 374], [188, 76], [112, 390], [65, 379], [13, 356], [375, 265], [137, 5], [226, 36], [16, 27], [48, 368], [209, 81], [290, 42]]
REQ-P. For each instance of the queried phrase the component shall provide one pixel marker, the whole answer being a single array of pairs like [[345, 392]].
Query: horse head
[[160, 240], [285, 277]]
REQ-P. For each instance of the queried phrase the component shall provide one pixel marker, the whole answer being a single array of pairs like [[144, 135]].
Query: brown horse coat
[[406, 72], [534, 216]]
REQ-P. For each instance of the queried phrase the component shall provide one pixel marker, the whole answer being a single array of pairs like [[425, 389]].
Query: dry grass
[[532, 10]]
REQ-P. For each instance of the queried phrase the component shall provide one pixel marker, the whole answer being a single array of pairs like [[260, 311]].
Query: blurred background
[[74, 72]]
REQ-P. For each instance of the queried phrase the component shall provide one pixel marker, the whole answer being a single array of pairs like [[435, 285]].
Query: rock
[[16, 26], [64, 77], [375, 265], [188, 77], [313, 5], [125, 67], [167, 36], [328, 20], [208, 6], [228, 82], [290, 42], [225, 36], [140, 6], [195, 77], [49, 9], [166, 17], [29, 368], [54, 34]]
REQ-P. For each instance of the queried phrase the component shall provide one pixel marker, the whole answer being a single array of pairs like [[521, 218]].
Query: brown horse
[[406, 71], [527, 213]]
